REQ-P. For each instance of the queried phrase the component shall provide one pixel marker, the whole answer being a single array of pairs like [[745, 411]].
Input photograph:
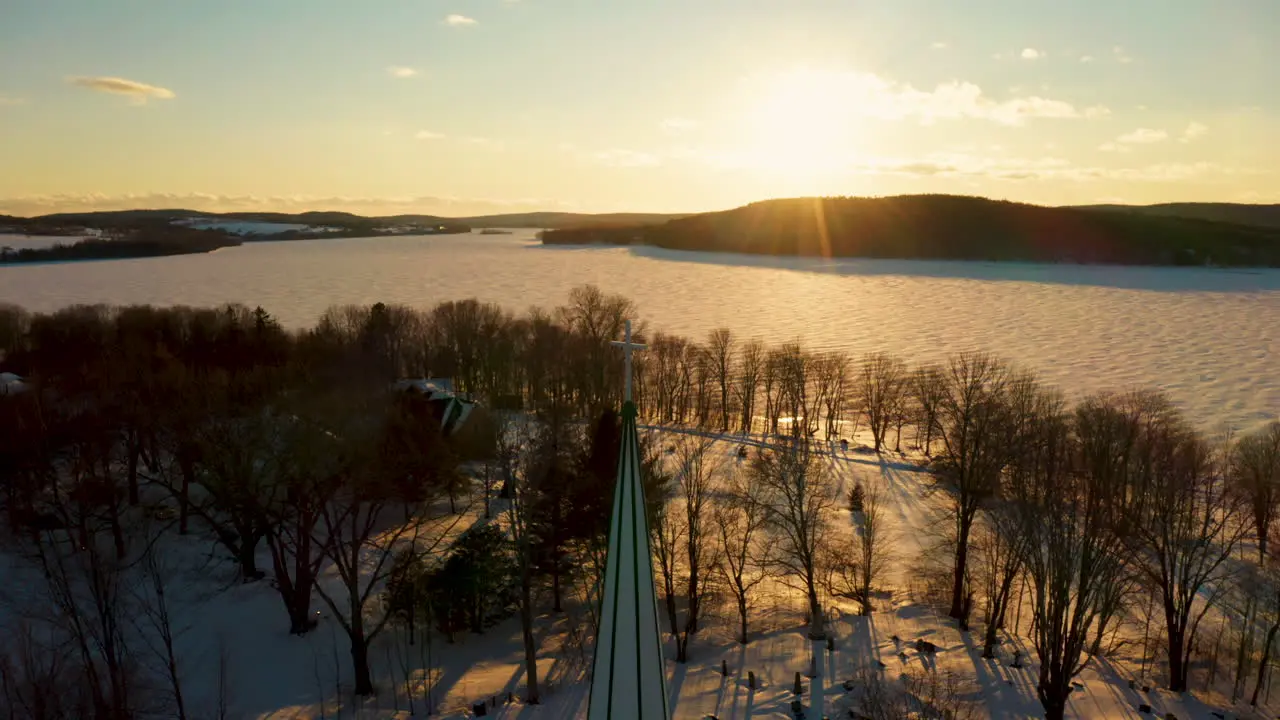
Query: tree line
[[143, 241], [257, 437], [945, 227]]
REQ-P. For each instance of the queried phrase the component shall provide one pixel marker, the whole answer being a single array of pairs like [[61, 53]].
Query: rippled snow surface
[[1211, 338]]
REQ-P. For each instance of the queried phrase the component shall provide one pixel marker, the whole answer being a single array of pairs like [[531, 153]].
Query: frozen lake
[[1211, 338]]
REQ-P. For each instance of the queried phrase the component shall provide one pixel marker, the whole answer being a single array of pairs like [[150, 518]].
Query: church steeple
[[628, 680]]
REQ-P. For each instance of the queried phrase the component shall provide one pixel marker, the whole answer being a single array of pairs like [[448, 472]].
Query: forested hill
[[1239, 213], [48, 224], [948, 227]]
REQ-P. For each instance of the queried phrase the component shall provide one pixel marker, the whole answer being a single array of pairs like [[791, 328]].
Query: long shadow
[[990, 681], [673, 690], [1124, 277]]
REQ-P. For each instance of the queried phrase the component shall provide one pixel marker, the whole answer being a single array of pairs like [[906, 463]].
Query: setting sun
[[800, 125]]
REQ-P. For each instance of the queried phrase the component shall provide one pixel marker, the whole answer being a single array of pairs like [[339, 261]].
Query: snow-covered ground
[[38, 242], [275, 675]]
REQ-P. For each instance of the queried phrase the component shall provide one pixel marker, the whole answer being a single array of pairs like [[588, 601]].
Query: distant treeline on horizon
[[951, 227], [144, 241]]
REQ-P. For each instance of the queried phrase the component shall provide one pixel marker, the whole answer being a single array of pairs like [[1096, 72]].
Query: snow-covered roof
[[432, 387], [456, 410], [11, 384]]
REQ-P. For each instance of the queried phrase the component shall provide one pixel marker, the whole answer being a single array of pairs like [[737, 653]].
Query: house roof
[[11, 384]]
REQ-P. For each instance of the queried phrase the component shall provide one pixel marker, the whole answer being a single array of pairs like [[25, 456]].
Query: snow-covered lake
[[1211, 338]]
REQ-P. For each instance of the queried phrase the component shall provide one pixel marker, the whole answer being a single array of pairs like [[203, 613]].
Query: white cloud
[[456, 20], [486, 143], [678, 124], [7, 100], [869, 95], [618, 157], [138, 92], [1120, 55], [1086, 58], [1031, 54], [400, 71], [1045, 168], [1193, 131], [427, 135], [1143, 136], [939, 45]]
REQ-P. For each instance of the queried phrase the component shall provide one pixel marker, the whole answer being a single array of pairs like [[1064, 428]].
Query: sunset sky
[[463, 107]]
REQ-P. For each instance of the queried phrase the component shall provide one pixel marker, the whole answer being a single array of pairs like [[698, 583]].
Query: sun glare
[[799, 124]]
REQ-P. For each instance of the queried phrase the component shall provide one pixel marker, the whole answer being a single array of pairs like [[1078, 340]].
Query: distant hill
[[906, 226], [948, 227], [1239, 213], [565, 219], [345, 219]]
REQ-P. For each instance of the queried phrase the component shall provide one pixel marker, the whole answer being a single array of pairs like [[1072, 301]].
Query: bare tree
[[684, 537], [1255, 475], [742, 519], [363, 536], [873, 544], [926, 389], [513, 435], [667, 532], [237, 452], [39, 679], [770, 385], [881, 387], [1002, 540], [1183, 525], [697, 472], [596, 318], [304, 482], [1074, 551], [833, 385], [154, 620], [973, 426], [720, 354], [798, 492], [85, 588], [750, 367], [1000, 548]]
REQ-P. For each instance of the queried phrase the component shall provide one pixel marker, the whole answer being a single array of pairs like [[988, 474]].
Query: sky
[[463, 107]]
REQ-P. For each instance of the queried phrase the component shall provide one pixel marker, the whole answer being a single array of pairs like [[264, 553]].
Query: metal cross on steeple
[[627, 348]]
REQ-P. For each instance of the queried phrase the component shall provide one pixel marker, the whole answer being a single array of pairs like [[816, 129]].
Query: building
[[628, 681], [11, 384], [461, 420]]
